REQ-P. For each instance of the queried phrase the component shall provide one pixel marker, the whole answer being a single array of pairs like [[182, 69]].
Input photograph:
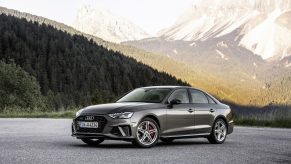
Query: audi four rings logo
[[88, 118]]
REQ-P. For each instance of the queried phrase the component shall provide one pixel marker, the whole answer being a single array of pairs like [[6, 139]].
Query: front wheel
[[219, 132], [93, 142], [147, 133]]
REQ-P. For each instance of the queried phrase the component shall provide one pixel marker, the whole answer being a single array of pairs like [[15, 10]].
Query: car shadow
[[179, 143], [129, 145]]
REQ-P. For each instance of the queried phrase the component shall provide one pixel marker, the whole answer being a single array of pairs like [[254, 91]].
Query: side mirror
[[174, 101]]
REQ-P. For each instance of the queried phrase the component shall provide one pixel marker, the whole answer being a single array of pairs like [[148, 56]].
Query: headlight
[[79, 112], [123, 115]]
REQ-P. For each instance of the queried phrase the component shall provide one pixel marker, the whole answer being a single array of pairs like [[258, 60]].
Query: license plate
[[88, 124]]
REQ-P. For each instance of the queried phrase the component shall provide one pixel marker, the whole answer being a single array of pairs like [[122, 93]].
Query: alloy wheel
[[220, 131], [147, 133]]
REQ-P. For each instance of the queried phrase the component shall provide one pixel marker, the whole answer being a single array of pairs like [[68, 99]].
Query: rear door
[[204, 111], [180, 118]]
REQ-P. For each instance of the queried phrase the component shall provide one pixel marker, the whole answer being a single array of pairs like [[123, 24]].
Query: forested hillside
[[18, 88], [196, 77], [70, 69], [273, 93]]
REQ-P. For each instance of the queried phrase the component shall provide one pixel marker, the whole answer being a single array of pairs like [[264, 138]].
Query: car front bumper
[[119, 129]]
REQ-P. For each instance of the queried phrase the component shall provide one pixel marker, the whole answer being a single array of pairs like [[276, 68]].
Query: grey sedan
[[149, 114]]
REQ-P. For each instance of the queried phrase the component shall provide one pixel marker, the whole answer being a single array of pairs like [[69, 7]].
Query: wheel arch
[[155, 118], [221, 117]]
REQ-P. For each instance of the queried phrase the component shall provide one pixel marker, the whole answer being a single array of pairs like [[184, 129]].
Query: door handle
[[190, 110], [211, 110]]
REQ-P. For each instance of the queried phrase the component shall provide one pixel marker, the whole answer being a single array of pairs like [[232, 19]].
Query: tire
[[219, 132], [92, 142], [167, 140], [147, 133]]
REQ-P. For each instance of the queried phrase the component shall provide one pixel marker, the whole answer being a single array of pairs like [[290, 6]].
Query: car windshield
[[152, 95]]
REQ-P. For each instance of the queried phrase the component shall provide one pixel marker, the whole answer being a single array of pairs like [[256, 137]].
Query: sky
[[151, 15]]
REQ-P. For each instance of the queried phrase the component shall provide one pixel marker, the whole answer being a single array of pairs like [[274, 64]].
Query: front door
[[180, 117]]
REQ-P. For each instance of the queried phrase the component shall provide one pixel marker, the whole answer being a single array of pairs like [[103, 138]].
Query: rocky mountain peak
[[261, 26], [102, 23]]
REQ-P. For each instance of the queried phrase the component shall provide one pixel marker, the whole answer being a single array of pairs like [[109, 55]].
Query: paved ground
[[49, 141]]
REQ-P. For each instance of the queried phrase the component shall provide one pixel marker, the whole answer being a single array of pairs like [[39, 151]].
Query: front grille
[[101, 124]]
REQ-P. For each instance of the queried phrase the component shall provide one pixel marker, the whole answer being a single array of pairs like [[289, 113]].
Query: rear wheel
[[147, 133], [219, 132], [93, 142], [167, 140]]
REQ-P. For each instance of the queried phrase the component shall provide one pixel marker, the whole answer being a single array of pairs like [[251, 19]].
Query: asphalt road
[[49, 141]]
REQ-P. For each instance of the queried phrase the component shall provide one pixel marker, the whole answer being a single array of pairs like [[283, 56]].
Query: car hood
[[118, 107]]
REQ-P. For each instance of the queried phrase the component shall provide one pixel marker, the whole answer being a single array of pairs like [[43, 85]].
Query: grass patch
[[278, 123], [64, 114]]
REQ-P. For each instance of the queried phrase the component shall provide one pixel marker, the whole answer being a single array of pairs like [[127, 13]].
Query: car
[[149, 114]]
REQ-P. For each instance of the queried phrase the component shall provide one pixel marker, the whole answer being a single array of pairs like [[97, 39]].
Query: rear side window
[[198, 97], [211, 101]]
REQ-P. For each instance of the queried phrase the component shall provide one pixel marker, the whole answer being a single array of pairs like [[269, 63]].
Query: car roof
[[167, 86]]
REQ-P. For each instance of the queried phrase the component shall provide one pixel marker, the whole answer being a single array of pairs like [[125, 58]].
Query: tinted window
[[180, 94], [211, 101], [198, 97], [154, 95]]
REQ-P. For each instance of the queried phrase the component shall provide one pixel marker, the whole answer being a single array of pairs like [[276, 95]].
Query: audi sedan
[[149, 114]]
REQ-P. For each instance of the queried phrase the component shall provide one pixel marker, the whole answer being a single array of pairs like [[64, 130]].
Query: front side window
[[180, 94], [152, 95], [198, 97]]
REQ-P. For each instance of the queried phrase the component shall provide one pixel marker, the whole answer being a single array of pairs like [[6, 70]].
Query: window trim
[[208, 97]]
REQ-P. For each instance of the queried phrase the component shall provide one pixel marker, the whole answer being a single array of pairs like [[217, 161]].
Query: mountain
[[261, 26], [217, 65], [151, 59], [102, 23], [71, 70], [233, 72], [213, 38]]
